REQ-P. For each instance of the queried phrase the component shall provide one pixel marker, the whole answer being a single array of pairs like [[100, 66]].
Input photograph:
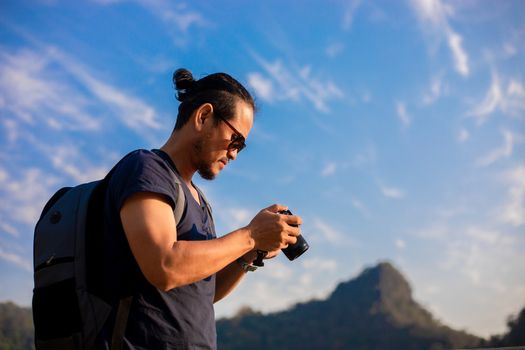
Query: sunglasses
[[237, 142]]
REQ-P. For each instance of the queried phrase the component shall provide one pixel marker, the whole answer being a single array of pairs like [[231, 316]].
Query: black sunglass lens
[[237, 144]]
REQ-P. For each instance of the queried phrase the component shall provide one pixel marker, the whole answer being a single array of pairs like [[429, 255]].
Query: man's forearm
[[229, 277]]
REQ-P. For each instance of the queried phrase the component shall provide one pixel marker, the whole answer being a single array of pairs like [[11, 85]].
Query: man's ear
[[203, 115]]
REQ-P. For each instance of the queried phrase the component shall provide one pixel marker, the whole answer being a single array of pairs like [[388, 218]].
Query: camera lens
[[295, 250]]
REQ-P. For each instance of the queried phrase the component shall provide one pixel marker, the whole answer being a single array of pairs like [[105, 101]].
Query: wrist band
[[245, 265]]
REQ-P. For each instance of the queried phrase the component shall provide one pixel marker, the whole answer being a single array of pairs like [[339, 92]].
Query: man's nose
[[232, 154]]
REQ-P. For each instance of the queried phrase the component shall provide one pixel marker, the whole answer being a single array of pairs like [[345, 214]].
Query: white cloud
[[391, 192], [504, 151], [158, 63], [295, 84], [40, 87], [316, 263], [263, 87], [3, 175], [329, 169], [491, 102], [280, 271], [71, 162], [329, 233], [306, 280], [357, 204], [434, 11], [400, 244], [36, 95], [64, 158], [235, 217], [267, 296], [509, 49], [485, 236], [282, 283], [366, 157], [107, 2], [44, 95], [514, 210], [133, 112], [173, 14], [479, 253], [334, 49], [27, 193], [435, 232], [349, 13], [437, 14], [463, 135], [366, 97], [10, 230], [460, 56], [402, 114], [453, 211], [16, 259], [466, 257], [510, 101], [514, 103], [182, 20], [437, 88]]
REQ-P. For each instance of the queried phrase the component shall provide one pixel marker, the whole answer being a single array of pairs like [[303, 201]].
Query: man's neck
[[180, 157]]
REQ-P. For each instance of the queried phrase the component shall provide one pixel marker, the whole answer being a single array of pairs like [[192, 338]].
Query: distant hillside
[[16, 327], [373, 311]]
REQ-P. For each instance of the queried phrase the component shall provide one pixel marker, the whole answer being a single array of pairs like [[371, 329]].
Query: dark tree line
[[16, 327]]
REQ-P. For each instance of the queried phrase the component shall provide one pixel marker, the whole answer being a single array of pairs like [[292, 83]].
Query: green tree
[[16, 327]]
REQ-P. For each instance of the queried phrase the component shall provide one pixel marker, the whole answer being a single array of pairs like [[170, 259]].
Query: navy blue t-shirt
[[182, 318]]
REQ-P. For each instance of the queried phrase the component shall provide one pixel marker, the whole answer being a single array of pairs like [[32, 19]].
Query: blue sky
[[395, 129]]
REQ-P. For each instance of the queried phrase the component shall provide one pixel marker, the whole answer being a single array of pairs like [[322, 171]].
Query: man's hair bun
[[183, 82], [219, 89]]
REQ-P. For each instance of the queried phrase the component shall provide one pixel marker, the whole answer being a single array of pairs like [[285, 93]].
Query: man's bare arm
[[167, 263]]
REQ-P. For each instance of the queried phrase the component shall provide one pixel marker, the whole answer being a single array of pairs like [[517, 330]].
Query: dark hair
[[219, 89]]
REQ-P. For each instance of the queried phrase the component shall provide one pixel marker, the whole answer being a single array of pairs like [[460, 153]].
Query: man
[[175, 271]]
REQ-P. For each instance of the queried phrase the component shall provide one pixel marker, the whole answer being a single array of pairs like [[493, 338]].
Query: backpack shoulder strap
[[180, 201], [208, 206]]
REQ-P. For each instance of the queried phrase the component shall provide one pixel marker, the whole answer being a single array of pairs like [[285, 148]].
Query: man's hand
[[272, 231], [272, 254]]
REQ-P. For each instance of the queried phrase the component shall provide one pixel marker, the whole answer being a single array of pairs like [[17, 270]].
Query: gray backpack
[[68, 310]]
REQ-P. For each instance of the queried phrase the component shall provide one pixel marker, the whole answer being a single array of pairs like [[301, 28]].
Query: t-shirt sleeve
[[142, 171]]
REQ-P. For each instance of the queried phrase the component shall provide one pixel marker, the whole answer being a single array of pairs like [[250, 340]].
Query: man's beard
[[203, 167]]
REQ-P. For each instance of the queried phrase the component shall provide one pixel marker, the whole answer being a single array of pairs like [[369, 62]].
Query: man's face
[[212, 151]]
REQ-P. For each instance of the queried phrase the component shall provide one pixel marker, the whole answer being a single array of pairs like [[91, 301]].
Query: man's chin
[[207, 173]]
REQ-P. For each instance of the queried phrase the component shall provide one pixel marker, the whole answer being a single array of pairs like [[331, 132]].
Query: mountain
[[16, 327], [373, 311]]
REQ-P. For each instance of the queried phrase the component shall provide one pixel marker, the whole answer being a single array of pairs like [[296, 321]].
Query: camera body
[[292, 252], [295, 250]]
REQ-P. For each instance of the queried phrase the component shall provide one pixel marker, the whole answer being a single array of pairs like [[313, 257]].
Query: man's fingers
[[272, 254], [275, 208], [293, 231], [293, 220], [292, 240]]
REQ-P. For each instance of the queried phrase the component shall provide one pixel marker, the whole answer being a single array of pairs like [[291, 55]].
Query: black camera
[[295, 250], [292, 252]]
